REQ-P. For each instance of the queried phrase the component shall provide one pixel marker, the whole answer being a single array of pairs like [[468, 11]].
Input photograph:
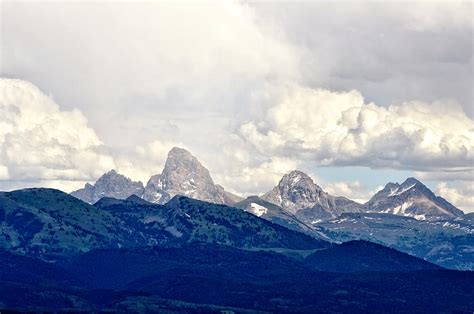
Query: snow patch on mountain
[[399, 191], [257, 210], [297, 194], [412, 199]]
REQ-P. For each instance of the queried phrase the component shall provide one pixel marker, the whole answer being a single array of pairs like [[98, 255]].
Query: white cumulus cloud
[[353, 190], [256, 179], [41, 142], [145, 160], [340, 128], [461, 194]]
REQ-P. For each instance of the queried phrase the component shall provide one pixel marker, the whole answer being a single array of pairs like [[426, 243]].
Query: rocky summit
[[413, 199], [111, 184], [298, 194], [185, 175]]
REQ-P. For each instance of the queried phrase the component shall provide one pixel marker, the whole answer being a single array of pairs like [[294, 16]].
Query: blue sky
[[371, 177]]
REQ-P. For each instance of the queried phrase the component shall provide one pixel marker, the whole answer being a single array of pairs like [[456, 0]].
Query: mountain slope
[[270, 282], [26, 270], [413, 199], [446, 243], [134, 268], [299, 195], [52, 224], [188, 220], [277, 215], [185, 175], [363, 256], [111, 184], [465, 220], [46, 221]]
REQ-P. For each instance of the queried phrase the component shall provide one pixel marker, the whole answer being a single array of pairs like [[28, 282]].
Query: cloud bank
[[340, 128], [461, 194], [254, 90], [41, 142]]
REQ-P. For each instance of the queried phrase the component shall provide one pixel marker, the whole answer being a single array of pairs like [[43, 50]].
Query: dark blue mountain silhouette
[[360, 256]]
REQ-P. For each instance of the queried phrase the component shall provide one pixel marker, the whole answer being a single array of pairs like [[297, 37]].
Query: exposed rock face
[[446, 243], [277, 215], [185, 175], [413, 199], [298, 194], [111, 184]]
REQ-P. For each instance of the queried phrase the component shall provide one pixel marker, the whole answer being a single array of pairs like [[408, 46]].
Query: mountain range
[[406, 216], [296, 193], [110, 184], [183, 175], [59, 253], [184, 244], [51, 224]]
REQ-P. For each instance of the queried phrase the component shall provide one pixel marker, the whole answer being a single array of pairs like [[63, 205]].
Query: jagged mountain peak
[[110, 184], [298, 178], [111, 172], [182, 170], [181, 159], [295, 191], [413, 199], [178, 152], [298, 194], [112, 175], [409, 186], [297, 174], [183, 174], [412, 180]]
